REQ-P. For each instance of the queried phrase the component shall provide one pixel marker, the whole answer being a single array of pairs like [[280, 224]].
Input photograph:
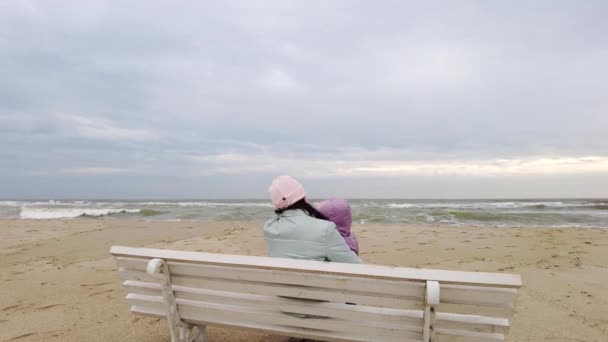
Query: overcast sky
[[201, 99]]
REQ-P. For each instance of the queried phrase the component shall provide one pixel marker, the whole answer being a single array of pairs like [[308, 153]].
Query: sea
[[487, 212]]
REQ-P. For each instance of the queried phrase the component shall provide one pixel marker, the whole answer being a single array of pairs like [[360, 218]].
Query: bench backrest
[[392, 303]]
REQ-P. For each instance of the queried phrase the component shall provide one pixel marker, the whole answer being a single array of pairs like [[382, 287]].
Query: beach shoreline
[[59, 282], [550, 213]]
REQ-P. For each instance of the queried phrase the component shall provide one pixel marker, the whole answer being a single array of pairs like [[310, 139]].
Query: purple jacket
[[338, 211]]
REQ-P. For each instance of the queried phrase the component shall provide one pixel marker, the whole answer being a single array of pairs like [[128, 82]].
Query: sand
[[58, 282]]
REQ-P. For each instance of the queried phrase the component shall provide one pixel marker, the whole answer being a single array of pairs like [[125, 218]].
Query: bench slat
[[281, 330], [303, 292], [473, 323], [335, 310], [480, 310], [208, 312], [318, 267], [477, 295], [471, 335], [379, 287]]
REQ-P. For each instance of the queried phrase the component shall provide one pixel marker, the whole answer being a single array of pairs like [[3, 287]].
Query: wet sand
[[58, 282]]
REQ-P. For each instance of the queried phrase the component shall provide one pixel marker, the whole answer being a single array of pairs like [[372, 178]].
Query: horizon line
[[312, 198]]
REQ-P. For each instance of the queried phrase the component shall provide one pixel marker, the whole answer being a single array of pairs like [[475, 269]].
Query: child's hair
[[307, 207]]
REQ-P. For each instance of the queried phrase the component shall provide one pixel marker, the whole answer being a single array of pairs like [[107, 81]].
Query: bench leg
[[193, 333], [179, 330], [201, 335], [431, 298]]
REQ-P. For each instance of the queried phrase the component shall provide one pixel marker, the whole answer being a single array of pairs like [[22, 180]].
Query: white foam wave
[[223, 204], [483, 205], [191, 204], [10, 204], [155, 203], [401, 205], [57, 213], [51, 203]]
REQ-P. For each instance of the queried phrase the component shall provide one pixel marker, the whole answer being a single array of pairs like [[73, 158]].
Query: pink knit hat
[[285, 191]]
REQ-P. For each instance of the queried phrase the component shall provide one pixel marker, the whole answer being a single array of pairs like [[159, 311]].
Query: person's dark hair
[[307, 207]]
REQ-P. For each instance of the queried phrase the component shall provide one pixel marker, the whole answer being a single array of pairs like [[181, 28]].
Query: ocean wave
[[190, 204], [58, 213], [150, 212], [51, 203], [86, 204], [122, 203], [224, 204], [401, 205], [449, 205], [597, 201], [153, 203], [10, 204], [499, 205]]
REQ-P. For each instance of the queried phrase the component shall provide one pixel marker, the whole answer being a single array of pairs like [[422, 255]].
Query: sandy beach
[[58, 282]]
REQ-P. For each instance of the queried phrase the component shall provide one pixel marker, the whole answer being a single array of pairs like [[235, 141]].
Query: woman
[[299, 231]]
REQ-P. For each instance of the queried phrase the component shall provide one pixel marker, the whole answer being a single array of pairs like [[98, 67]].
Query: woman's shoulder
[[323, 224], [313, 222], [271, 221], [271, 225], [309, 222]]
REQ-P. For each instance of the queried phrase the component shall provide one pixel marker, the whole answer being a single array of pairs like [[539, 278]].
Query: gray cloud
[[165, 92]]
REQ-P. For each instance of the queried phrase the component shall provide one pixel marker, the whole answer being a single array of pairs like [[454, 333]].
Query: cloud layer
[[115, 90]]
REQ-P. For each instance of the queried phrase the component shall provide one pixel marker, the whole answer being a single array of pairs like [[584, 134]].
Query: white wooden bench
[[193, 290]]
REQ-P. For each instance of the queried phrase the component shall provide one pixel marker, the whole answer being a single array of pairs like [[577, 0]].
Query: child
[[338, 211]]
